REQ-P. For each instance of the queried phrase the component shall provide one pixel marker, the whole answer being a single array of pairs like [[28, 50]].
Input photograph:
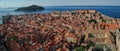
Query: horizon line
[[63, 5]]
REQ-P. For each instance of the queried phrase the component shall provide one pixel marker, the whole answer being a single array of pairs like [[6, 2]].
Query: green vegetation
[[90, 44], [11, 38], [92, 20], [30, 8], [99, 45], [81, 48]]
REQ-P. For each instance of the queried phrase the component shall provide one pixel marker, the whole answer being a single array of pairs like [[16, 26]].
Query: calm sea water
[[112, 11]]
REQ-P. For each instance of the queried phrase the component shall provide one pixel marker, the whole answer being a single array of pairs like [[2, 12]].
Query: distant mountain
[[31, 8]]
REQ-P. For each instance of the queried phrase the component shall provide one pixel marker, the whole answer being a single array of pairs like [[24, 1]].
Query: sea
[[111, 11]]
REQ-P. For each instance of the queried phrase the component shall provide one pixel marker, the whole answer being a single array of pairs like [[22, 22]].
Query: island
[[31, 8]]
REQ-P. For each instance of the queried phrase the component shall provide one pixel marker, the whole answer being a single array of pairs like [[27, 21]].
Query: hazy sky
[[19, 3]]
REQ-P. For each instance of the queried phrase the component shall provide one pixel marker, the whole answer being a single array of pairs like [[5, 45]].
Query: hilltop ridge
[[31, 8]]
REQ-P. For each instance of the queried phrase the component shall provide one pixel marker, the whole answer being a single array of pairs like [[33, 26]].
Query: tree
[[13, 38], [92, 20], [81, 48]]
